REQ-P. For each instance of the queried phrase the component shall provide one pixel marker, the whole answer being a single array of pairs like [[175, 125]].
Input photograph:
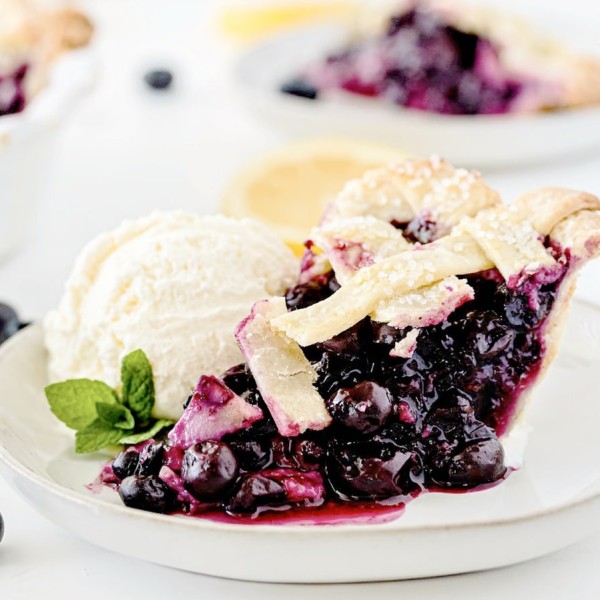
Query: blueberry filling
[[420, 62], [399, 425]]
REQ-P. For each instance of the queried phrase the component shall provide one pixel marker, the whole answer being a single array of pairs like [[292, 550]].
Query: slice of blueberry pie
[[445, 57], [425, 312], [31, 39]]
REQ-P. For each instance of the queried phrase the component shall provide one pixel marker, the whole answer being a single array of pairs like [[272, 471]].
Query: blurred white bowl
[[27, 142], [483, 140]]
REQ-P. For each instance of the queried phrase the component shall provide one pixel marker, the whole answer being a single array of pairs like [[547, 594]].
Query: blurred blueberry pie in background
[[31, 39], [447, 57]]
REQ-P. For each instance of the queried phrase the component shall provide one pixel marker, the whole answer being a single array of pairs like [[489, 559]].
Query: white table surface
[[128, 151]]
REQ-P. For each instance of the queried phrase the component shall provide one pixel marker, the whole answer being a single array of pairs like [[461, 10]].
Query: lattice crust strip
[[477, 244], [425, 306], [356, 242], [400, 192]]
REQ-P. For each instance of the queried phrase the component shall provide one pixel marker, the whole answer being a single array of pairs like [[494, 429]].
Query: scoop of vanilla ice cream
[[174, 285]]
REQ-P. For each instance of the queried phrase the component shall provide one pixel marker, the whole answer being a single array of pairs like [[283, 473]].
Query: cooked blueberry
[[9, 322], [252, 454], [421, 229], [336, 371], [363, 408], [311, 292], [347, 342], [255, 491], [478, 463], [300, 453], [300, 88], [209, 470], [147, 493], [384, 334], [150, 460], [526, 310], [308, 454], [240, 380], [126, 463], [492, 338], [373, 470], [159, 79]]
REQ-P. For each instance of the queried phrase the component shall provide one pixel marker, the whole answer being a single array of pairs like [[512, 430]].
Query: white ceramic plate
[[551, 502], [483, 141]]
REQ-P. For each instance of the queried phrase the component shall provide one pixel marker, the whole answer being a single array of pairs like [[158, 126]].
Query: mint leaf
[[96, 436], [117, 415], [138, 385], [136, 438], [74, 401]]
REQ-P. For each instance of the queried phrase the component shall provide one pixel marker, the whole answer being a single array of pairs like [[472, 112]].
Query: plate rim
[[10, 462]]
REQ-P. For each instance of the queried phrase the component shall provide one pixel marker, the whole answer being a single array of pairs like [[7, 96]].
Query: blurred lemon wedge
[[242, 22], [288, 189]]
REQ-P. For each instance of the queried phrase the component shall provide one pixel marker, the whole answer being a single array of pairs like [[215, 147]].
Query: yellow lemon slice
[[246, 23], [288, 189]]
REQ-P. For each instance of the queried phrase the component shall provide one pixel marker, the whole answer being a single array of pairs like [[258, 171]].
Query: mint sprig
[[102, 418], [138, 385]]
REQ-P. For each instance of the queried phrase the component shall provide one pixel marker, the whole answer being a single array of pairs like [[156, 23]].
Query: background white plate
[[482, 141], [551, 502]]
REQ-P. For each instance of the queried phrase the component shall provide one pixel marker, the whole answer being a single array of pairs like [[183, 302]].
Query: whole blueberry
[[255, 491], [147, 493], [150, 460], [9, 322], [300, 88], [308, 454], [159, 79], [347, 342], [125, 464], [315, 290], [209, 470], [252, 454], [363, 408], [373, 470], [240, 380], [478, 463]]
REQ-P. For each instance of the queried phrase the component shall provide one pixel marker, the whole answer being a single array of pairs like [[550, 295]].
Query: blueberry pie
[[425, 311], [444, 57], [30, 41]]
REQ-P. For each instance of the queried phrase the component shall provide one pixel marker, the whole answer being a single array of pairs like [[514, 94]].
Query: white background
[[128, 151]]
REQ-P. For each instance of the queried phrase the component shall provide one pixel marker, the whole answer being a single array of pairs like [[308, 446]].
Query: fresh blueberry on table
[[159, 79], [9, 322], [300, 88]]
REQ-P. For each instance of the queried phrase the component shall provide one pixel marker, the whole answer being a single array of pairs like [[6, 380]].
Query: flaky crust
[[408, 286], [565, 78]]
